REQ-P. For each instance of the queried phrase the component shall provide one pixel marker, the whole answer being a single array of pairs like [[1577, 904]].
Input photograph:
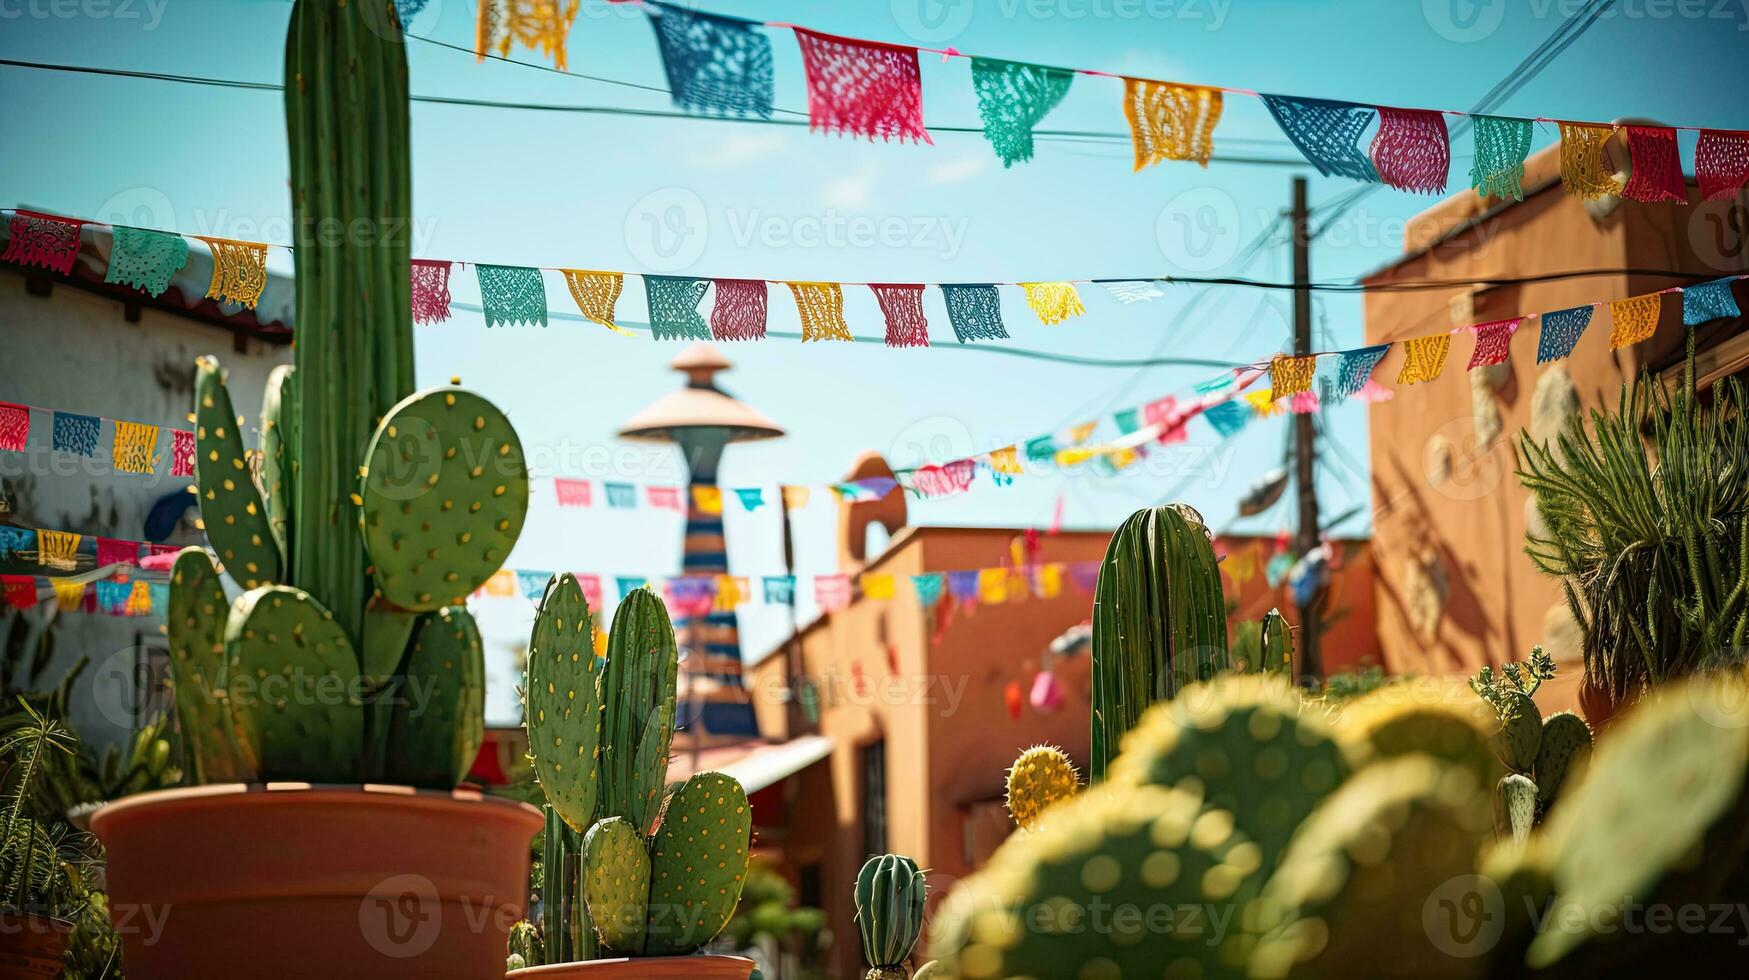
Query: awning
[[755, 765]]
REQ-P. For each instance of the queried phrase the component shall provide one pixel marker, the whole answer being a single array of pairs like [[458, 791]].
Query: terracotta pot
[[292, 880], [31, 945], [643, 968]]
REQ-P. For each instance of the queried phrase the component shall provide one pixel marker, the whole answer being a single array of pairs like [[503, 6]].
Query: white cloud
[[852, 191], [743, 148]]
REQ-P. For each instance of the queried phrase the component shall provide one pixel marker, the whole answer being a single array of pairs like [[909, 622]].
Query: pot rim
[[559, 969], [306, 794]]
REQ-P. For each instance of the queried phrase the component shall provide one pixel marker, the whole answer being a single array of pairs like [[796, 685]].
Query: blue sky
[[735, 199]]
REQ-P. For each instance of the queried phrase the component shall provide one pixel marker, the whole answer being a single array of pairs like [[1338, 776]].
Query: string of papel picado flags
[[83, 572], [720, 65]]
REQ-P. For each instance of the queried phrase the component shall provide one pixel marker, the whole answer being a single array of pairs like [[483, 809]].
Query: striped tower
[[702, 420]]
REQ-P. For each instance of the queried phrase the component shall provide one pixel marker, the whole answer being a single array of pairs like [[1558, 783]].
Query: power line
[[1021, 352]]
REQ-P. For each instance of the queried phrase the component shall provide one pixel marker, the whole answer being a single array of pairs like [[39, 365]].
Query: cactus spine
[[890, 895], [1159, 621], [374, 511]]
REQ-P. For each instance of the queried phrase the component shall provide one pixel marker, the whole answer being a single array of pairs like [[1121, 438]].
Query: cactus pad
[[616, 884], [1350, 895], [698, 863], [230, 504], [637, 722], [1521, 731], [1514, 807], [435, 730], [278, 437], [196, 625], [442, 497], [294, 687], [1276, 641], [1448, 723], [387, 631], [1665, 788], [1563, 751], [1253, 745], [1042, 776], [563, 710], [1068, 900]]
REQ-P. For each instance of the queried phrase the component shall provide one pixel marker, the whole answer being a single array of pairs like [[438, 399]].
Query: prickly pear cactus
[[196, 627], [1446, 722], [1349, 898], [698, 862], [1521, 731], [1039, 778], [387, 631], [1514, 807], [1562, 753], [1277, 642], [435, 732], [1249, 739], [278, 434], [616, 884], [890, 895], [1159, 621], [563, 703], [1661, 817], [637, 723], [293, 686], [230, 504], [1034, 909], [442, 496]]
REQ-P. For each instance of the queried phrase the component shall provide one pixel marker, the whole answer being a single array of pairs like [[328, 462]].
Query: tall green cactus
[[374, 511], [890, 895], [1159, 621], [621, 880]]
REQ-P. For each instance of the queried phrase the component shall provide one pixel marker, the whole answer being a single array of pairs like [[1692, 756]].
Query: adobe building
[[1455, 588], [915, 713]]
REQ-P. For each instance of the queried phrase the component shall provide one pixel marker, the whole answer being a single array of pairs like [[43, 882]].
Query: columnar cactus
[[374, 511], [890, 894], [1159, 621], [627, 873], [1039, 778]]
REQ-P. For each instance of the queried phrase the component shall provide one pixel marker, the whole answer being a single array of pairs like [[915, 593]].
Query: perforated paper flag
[[902, 306], [134, 449], [1501, 144], [429, 279], [821, 307], [596, 295], [673, 302], [715, 64], [44, 240], [738, 312], [14, 427], [1584, 172], [572, 493], [1170, 122], [1493, 342], [1291, 375], [1708, 301], [863, 88], [1327, 133], [239, 271], [1054, 302], [1412, 149], [1655, 169], [1012, 98], [144, 259], [1633, 319], [1721, 163], [1423, 358], [975, 310], [512, 295], [1560, 332]]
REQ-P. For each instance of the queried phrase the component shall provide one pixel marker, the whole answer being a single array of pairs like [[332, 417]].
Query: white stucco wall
[[74, 350]]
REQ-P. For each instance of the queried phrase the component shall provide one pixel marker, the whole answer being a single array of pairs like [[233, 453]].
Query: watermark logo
[[932, 21], [401, 916], [667, 230], [1465, 916], [1464, 21], [1198, 230]]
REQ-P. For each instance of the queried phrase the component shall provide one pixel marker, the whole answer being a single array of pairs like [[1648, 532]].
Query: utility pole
[[1305, 469]]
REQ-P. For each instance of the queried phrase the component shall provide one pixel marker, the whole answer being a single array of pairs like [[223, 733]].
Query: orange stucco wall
[[1470, 526]]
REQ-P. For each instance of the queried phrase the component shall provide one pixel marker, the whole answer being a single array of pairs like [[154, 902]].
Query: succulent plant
[[1441, 721], [1340, 904], [1661, 818], [525, 947], [1521, 731], [890, 895], [1562, 752], [1159, 621], [375, 510], [622, 878], [1514, 807], [1277, 642], [1253, 745], [1039, 778], [1083, 895]]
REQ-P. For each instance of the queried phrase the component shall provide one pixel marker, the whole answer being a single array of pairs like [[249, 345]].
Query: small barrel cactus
[[1039, 778], [1514, 807], [890, 895], [1159, 621], [525, 946]]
